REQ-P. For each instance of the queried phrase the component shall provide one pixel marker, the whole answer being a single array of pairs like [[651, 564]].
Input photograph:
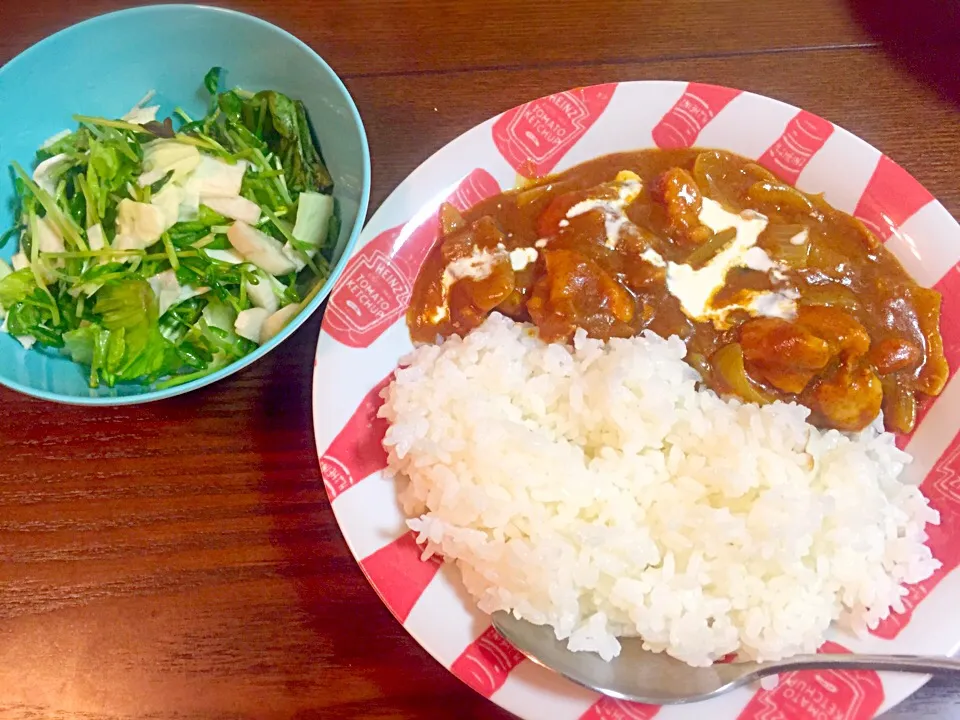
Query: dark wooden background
[[180, 560]]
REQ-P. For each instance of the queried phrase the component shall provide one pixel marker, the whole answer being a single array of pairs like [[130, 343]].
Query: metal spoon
[[658, 679]]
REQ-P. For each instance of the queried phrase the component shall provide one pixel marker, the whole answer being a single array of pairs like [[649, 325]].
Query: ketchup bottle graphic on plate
[[486, 662], [535, 136], [399, 575], [890, 198], [607, 708], [816, 694], [804, 135], [357, 450], [698, 105], [377, 283]]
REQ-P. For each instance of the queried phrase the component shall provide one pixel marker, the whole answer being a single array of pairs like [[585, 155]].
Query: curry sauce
[[776, 294]]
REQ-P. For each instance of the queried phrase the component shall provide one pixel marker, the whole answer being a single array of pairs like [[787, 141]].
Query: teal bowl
[[103, 66]]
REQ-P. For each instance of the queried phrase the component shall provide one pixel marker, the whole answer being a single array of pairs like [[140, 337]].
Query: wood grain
[[180, 560], [448, 34], [862, 90]]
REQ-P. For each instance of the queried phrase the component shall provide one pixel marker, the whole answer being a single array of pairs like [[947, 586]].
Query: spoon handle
[[925, 665]]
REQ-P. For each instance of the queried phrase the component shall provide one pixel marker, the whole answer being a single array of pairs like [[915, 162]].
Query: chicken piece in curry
[[776, 294]]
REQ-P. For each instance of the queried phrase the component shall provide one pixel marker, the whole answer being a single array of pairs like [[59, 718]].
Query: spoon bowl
[[639, 675]]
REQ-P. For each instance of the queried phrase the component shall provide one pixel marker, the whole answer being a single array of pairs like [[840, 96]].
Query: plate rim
[[908, 685]]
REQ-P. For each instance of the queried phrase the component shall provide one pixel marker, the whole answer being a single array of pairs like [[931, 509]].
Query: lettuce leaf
[[16, 287]]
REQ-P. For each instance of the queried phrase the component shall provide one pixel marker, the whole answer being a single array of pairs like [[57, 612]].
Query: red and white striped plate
[[364, 336]]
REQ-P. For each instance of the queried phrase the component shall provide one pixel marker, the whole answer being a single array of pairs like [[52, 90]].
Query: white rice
[[597, 490]]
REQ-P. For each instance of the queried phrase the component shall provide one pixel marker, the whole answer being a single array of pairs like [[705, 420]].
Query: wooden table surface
[[180, 559]]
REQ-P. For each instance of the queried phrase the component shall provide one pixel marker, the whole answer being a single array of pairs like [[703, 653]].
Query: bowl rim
[[315, 302]]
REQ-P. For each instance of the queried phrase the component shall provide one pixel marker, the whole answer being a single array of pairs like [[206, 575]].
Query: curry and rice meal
[[656, 395]]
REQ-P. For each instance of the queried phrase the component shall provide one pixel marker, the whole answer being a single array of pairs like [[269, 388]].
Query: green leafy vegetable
[[16, 287], [30, 310], [151, 295], [211, 81], [177, 322], [302, 164], [271, 120], [9, 234], [79, 344], [126, 304]]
